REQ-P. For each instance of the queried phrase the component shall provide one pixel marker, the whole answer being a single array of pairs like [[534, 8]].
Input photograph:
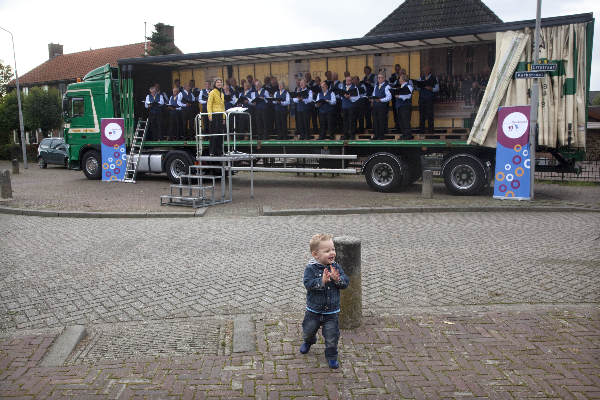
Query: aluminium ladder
[[133, 158]]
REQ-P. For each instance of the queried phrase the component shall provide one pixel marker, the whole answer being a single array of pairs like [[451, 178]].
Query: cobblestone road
[[450, 355], [56, 188], [58, 271]]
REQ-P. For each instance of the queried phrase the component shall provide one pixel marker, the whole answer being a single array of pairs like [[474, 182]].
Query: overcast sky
[[229, 24]]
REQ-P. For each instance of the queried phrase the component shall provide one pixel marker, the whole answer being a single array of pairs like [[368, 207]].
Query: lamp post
[[23, 147]]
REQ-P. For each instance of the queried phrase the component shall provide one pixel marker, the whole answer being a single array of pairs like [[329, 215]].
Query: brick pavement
[[498, 354], [56, 188], [452, 311], [61, 271]]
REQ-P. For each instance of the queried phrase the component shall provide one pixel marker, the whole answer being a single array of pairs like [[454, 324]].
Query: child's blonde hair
[[318, 238]]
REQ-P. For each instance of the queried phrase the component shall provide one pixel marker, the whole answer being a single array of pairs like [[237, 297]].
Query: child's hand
[[326, 276], [335, 274]]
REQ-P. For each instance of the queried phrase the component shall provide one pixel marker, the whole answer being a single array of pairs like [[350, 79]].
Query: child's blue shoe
[[305, 348], [333, 364]]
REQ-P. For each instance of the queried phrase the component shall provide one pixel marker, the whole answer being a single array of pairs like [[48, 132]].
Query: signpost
[[535, 93], [529, 74], [544, 67]]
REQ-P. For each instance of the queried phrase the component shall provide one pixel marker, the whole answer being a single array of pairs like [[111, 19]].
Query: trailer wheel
[[464, 176], [92, 165], [385, 173], [177, 164]]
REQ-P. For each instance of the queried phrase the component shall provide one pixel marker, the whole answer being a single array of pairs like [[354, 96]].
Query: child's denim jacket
[[323, 299]]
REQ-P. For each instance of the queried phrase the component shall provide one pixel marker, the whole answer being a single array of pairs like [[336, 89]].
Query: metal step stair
[[194, 192], [137, 143]]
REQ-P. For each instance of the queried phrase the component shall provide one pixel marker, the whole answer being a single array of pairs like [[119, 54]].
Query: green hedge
[[12, 151]]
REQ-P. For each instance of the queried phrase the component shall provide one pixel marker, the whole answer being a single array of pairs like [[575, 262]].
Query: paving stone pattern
[[453, 355], [192, 336], [58, 272], [56, 188]]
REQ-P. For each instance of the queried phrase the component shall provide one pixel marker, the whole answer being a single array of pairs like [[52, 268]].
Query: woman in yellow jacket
[[216, 103]]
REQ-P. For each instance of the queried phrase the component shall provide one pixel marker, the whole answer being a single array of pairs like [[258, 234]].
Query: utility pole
[[145, 41], [535, 97], [23, 146]]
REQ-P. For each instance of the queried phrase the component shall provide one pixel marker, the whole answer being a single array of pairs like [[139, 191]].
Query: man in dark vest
[[428, 87], [154, 103], [381, 97], [403, 106]]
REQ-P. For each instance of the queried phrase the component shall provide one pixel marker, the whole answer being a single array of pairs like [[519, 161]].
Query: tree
[[42, 109], [9, 116], [160, 43], [6, 75]]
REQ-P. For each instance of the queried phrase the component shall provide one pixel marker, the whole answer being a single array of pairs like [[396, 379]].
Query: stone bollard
[[348, 256], [5, 187], [427, 187], [15, 167]]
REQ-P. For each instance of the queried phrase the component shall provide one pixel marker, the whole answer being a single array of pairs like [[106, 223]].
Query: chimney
[[54, 49]]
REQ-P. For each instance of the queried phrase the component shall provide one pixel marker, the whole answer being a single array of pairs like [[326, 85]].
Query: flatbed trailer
[[388, 165]]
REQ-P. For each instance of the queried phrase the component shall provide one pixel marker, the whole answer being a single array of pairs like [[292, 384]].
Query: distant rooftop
[[69, 67], [427, 15]]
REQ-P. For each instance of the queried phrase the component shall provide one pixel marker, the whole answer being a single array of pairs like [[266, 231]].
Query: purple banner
[[513, 173], [114, 155]]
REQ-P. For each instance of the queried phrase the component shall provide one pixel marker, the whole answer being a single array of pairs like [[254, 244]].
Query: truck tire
[[464, 175], [92, 165], [177, 163], [386, 172]]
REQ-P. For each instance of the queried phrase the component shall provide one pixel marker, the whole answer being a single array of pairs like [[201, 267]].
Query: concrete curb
[[268, 211], [101, 214], [63, 346], [244, 335]]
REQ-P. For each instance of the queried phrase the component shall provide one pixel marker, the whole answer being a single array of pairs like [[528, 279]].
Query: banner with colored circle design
[[114, 154], [513, 174]]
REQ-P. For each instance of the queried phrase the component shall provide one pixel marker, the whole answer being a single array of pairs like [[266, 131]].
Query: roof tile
[[424, 15], [69, 67]]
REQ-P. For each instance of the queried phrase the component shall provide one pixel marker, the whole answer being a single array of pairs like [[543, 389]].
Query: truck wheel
[[92, 165], [43, 164], [464, 176], [177, 164], [385, 173]]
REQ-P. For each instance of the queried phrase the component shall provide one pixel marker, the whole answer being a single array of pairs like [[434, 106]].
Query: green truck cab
[[85, 103]]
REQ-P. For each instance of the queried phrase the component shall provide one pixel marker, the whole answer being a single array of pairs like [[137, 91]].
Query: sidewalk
[[57, 189], [501, 352]]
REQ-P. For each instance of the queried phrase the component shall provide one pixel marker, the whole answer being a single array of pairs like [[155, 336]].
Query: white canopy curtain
[[562, 94]]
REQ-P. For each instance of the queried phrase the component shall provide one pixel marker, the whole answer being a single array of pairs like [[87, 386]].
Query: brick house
[[62, 69]]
